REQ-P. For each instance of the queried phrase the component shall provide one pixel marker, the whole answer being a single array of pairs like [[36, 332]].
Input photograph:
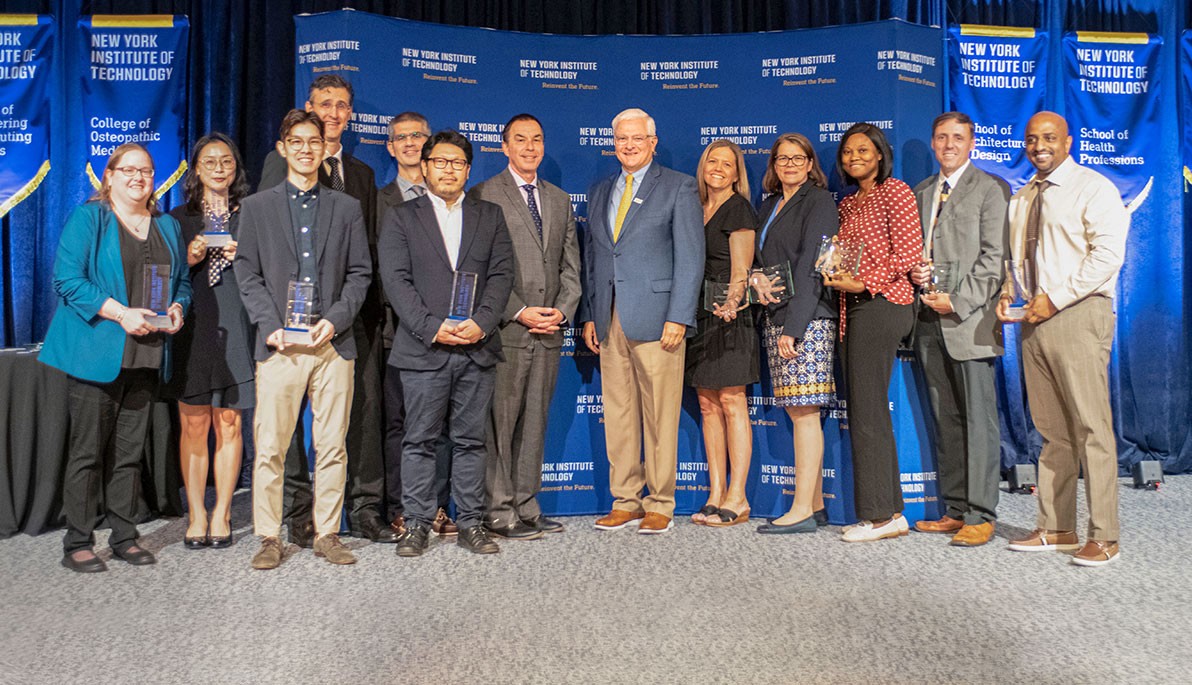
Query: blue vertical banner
[[998, 77], [133, 75], [26, 55]]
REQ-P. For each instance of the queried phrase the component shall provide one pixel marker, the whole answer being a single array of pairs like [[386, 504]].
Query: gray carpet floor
[[696, 605]]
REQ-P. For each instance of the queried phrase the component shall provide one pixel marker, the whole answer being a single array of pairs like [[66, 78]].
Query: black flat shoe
[[135, 555], [90, 565], [374, 529], [221, 542], [821, 517], [196, 543]]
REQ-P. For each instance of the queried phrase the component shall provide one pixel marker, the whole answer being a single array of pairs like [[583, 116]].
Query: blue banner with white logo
[[132, 71], [747, 88], [997, 75], [26, 55]]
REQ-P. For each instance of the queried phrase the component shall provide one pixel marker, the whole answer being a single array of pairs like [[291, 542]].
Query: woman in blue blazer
[[115, 252]]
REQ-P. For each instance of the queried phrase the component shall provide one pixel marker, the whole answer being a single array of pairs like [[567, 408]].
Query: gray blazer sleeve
[[983, 283]]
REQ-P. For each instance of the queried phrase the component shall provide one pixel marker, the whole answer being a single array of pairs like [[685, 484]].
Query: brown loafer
[[654, 523], [1096, 553], [973, 536], [618, 519], [399, 524], [331, 548], [1041, 540], [269, 556], [945, 525], [443, 526]]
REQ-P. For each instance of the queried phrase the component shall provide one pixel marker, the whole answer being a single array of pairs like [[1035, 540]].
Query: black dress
[[143, 351], [213, 351], [723, 354]]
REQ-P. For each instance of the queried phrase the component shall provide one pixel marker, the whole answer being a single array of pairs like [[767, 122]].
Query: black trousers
[[366, 465], [875, 328], [108, 425], [395, 433]]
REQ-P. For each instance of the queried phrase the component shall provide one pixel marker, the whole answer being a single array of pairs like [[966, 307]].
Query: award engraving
[[1020, 284], [216, 230], [771, 284], [157, 295], [300, 316], [837, 257], [463, 295]]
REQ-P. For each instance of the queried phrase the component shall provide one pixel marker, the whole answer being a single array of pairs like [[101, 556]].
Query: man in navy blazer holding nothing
[[643, 262], [447, 366]]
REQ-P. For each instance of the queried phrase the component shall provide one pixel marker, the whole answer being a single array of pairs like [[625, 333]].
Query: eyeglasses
[[784, 160], [299, 143], [415, 136], [636, 140], [442, 163], [211, 163], [337, 106], [130, 171]]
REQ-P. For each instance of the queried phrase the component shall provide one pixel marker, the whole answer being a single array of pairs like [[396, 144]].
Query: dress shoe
[[398, 525], [443, 526], [973, 536], [269, 555], [1096, 553], [372, 528], [196, 543], [88, 564], [655, 523], [545, 525], [331, 548], [414, 541], [904, 528], [515, 531], [302, 533], [821, 517], [618, 519], [807, 525], [135, 555], [723, 518], [947, 524], [221, 541], [476, 540], [1041, 540], [865, 531]]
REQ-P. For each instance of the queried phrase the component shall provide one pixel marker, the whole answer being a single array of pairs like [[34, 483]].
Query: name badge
[[637, 200]]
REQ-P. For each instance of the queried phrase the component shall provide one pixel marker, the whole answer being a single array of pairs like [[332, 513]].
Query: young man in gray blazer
[[545, 294], [957, 335]]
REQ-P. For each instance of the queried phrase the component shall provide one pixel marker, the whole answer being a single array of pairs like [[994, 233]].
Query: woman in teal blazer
[[114, 251]]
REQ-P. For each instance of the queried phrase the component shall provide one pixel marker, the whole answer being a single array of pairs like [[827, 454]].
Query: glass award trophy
[[719, 296], [1020, 285], [837, 257], [300, 316], [771, 284], [157, 295], [216, 231], [463, 295], [943, 279]]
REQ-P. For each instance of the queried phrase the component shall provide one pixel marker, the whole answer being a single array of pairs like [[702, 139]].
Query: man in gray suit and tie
[[957, 335], [545, 294]]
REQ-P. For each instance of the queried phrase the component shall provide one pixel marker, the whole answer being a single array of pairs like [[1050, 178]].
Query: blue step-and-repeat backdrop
[[747, 88]]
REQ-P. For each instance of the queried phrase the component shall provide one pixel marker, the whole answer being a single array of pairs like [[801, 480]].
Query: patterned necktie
[[419, 191], [945, 190], [217, 263], [623, 208], [337, 179], [529, 188], [1033, 218]]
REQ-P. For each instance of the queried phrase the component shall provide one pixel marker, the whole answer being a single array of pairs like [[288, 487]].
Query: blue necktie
[[529, 188]]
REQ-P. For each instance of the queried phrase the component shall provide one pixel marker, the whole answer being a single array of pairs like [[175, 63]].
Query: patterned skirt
[[806, 380]]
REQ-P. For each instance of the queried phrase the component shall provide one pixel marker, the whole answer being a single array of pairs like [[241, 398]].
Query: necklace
[[135, 229]]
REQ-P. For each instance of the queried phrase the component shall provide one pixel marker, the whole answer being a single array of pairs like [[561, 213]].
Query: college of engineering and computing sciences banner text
[[997, 76], [132, 70], [748, 88], [26, 53]]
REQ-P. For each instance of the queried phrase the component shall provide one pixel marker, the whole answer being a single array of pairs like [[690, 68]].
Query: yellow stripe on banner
[[92, 177], [132, 21], [1111, 37], [18, 20], [25, 191], [174, 178], [997, 31]]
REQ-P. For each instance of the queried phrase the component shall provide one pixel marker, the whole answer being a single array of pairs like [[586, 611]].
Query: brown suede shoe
[[1041, 540], [618, 519], [332, 549], [973, 536], [655, 523], [945, 525], [443, 526], [399, 524], [1096, 553], [269, 556]]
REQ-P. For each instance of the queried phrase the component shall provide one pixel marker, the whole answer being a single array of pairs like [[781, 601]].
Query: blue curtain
[[241, 81]]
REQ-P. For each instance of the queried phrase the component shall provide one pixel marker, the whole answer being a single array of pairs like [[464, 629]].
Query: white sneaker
[[865, 531]]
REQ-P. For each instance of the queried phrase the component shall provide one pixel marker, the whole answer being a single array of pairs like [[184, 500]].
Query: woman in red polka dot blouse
[[875, 314]]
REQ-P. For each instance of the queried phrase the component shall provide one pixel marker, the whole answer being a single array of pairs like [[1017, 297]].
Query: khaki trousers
[[1066, 360], [282, 381], [643, 393]]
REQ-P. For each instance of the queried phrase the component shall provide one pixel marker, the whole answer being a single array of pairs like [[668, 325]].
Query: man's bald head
[[1047, 142]]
